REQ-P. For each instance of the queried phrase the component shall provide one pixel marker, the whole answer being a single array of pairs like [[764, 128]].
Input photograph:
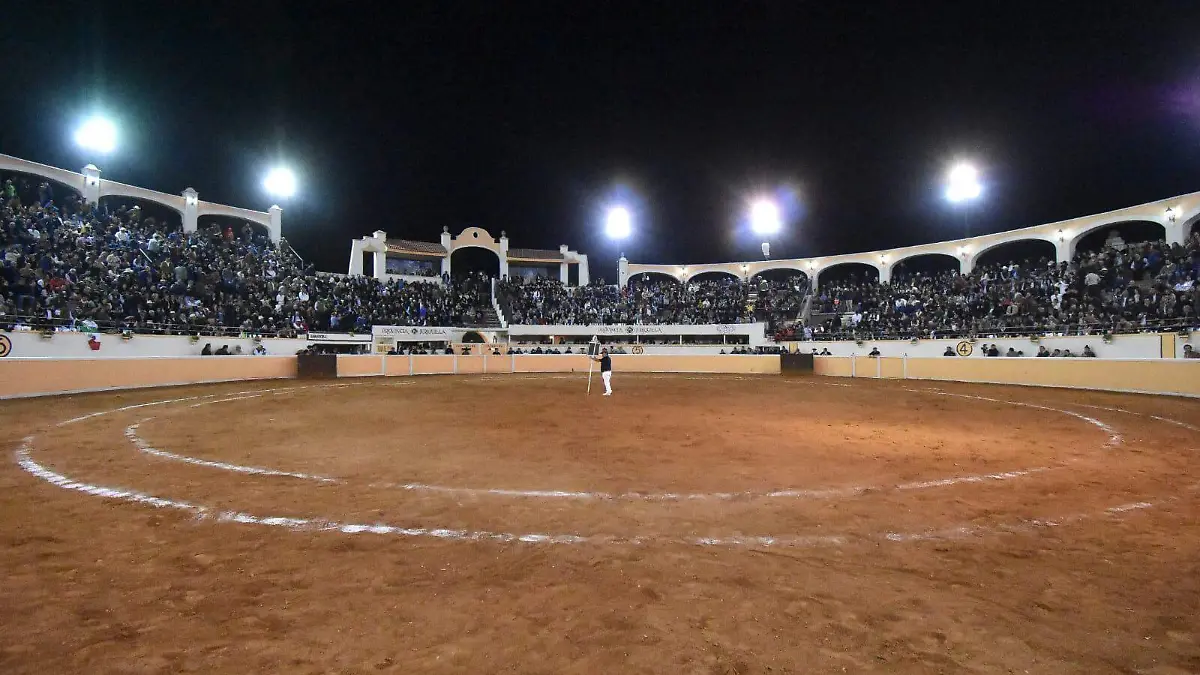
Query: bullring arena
[[275, 470], [509, 522]]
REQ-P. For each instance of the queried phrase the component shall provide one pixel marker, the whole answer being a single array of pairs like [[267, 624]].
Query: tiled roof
[[410, 246], [535, 253]]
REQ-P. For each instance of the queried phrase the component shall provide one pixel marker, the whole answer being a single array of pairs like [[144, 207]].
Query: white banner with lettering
[[632, 330], [341, 338], [415, 333]]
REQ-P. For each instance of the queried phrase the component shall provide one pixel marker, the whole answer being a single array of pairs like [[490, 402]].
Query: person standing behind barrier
[[605, 370]]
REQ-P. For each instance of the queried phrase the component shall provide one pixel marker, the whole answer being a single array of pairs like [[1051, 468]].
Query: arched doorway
[[244, 230], [718, 276], [1118, 235], [152, 216], [927, 264], [1024, 252], [472, 262], [34, 189], [848, 273]]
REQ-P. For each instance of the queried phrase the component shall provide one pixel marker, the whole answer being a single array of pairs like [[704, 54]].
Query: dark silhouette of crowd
[[1121, 288], [94, 267], [646, 299], [87, 266]]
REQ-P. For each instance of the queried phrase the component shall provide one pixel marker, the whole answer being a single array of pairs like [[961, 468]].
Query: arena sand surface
[[725, 524]]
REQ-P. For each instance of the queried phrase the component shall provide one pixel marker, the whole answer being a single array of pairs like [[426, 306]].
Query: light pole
[[961, 188]]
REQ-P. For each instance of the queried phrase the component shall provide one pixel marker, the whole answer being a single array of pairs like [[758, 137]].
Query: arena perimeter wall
[[364, 366], [1149, 376], [40, 376], [22, 377]]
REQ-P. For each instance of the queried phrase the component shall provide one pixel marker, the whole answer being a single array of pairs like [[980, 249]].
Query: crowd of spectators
[[91, 268], [645, 300], [87, 267], [1121, 288]]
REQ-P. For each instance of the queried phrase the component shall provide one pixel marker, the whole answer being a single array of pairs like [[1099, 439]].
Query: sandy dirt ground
[[689, 524]]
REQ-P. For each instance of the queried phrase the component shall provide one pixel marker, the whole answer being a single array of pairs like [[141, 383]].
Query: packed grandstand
[[71, 265]]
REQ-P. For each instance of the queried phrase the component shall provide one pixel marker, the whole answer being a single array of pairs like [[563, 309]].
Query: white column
[[562, 273], [191, 208], [276, 226], [584, 277], [356, 253], [885, 272], [1175, 234], [966, 264], [91, 184], [448, 244], [503, 254], [1063, 250], [380, 264], [622, 271]]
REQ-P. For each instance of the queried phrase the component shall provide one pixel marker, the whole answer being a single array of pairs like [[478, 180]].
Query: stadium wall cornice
[[1176, 215], [187, 204]]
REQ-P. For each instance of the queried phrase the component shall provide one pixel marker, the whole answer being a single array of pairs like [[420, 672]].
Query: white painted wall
[[68, 345], [1142, 346]]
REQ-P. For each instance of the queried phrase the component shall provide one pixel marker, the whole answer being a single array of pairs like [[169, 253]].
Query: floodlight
[[98, 135], [964, 183], [764, 217], [618, 224], [280, 182]]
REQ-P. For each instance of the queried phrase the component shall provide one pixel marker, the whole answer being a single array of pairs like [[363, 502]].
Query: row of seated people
[[95, 267], [1043, 352], [545, 301], [648, 299], [101, 267], [1131, 288]]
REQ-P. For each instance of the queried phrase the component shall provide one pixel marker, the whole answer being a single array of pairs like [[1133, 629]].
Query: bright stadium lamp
[[98, 135], [280, 182], [963, 183], [618, 224], [961, 188], [764, 217]]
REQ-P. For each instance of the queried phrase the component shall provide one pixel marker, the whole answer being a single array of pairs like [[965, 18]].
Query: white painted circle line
[[1114, 438], [131, 434], [788, 493], [26, 462]]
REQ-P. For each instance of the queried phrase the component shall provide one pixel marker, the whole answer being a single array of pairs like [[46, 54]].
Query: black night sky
[[528, 116]]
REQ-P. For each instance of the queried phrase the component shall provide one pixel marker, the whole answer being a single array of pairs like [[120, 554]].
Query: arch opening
[[149, 214], [712, 275], [1189, 228], [1025, 252], [926, 264], [239, 228], [849, 273], [780, 274], [473, 261], [1117, 235], [651, 278], [31, 188]]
